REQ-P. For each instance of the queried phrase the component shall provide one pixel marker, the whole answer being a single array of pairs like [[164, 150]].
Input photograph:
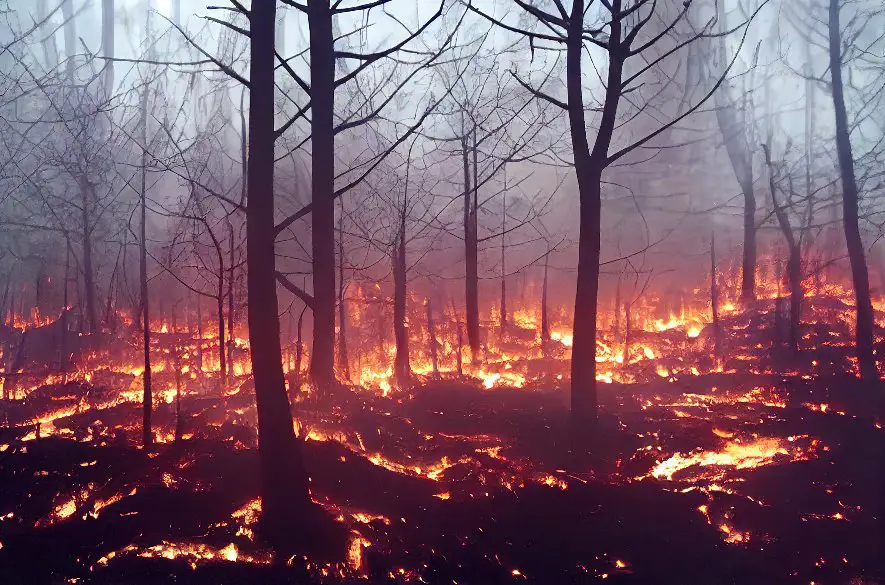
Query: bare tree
[[615, 34], [735, 134], [284, 491], [851, 195], [490, 121], [321, 91], [794, 247], [849, 45], [147, 400]]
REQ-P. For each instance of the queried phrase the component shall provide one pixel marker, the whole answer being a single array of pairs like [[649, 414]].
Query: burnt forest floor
[[483, 495]]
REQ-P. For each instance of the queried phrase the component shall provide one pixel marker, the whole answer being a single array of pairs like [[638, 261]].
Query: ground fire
[[736, 450], [565, 291]]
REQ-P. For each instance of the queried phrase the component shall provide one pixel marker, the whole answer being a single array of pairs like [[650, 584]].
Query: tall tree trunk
[[88, 270], [810, 89], [222, 343], [471, 280], [850, 202], [503, 261], [4, 308], [588, 168], [342, 309], [284, 490], [794, 273], [748, 263], [545, 319], [178, 421], [63, 345], [122, 280], [200, 333], [322, 87], [109, 320], [114, 292], [402, 370], [81, 315], [230, 303], [794, 263], [734, 136], [459, 329], [147, 398], [38, 289]]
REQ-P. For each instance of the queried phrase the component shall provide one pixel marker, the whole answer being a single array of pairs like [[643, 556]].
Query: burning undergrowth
[[767, 467]]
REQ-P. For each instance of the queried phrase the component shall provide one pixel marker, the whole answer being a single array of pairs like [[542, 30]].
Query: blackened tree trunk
[[794, 262], [503, 262], [741, 163], [588, 168], [794, 273], [219, 307], [63, 345], [459, 330], [402, 369], [88, 269], [147, 397], [222, 344], [734, 136], [322, 88], [284, 490], [110, 320], [200, 332], [178, 422], [748, 262], [38, 288], [545, 319], [230, 303], [471, 261], [850, 202]]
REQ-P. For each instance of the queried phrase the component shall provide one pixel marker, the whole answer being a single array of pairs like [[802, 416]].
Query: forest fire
[[305, 291], [693, 422]]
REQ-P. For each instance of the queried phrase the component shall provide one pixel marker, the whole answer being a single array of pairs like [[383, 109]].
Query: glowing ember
[[195, 553], [735, 455], [355, 551]]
